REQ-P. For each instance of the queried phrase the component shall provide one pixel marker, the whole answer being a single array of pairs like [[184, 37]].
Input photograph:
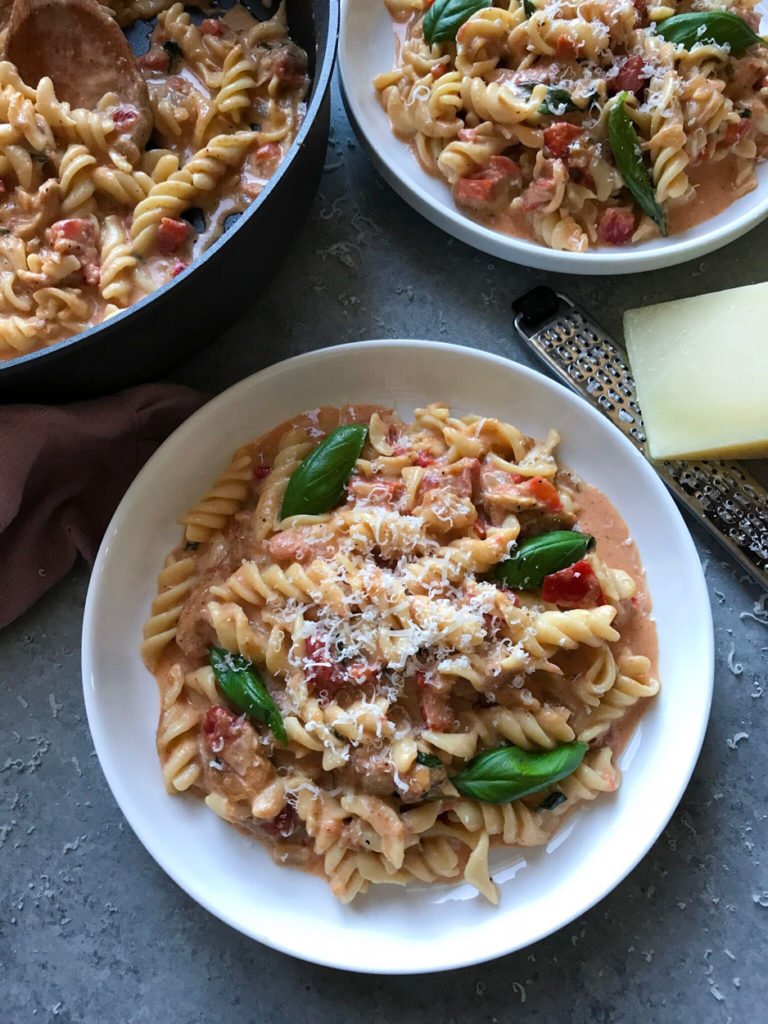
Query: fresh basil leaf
[[539, 556], [629, 160], [721, 28], [508, 773], [529, 8], [746, 112], [428, 760], [317, 485], [445, 17], [242, 685], [558, 101], [192, 545], [549, 803]]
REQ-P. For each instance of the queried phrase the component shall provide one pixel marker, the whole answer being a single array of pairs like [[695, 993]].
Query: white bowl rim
[[187, 430], [663, 252]]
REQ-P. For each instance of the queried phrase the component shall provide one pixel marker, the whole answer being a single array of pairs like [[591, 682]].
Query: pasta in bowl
[[421, 926], [628, 134], [382, 646]]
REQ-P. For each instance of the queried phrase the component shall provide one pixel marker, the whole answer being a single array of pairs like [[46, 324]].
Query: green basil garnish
[[318, 484], [549, 803], [428, 760], [629, 160], [557, 101], [445, 17], [508, 773], [242, 685], [529, 8], [540, 556], [721, 28]]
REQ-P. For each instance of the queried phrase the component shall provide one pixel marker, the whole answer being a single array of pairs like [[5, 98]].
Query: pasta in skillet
[[515, 111], [337, 667], [88, 223]]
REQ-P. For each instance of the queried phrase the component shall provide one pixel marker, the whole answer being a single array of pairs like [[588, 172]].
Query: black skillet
[[144, 341]]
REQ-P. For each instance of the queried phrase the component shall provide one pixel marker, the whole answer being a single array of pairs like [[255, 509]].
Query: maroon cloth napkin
[[63, 471]]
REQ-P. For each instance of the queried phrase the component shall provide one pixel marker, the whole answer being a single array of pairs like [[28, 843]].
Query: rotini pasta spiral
[[391, 659]]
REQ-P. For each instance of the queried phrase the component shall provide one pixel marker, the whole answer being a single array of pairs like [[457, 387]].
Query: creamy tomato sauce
[[391, 652]]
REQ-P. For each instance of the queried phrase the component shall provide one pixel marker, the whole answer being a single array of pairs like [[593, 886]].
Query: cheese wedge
[[701, 370]]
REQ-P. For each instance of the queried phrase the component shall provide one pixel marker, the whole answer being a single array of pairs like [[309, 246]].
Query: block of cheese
[[701, 370]]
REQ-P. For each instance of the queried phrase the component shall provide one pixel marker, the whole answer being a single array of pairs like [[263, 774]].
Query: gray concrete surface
[[93, 932]]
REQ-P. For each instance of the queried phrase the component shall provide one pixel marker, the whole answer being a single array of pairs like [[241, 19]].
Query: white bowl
[[421, 928], [366, 47]]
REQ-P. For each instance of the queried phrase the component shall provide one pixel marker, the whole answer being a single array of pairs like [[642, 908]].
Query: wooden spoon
[[80, 47], [5, 12]]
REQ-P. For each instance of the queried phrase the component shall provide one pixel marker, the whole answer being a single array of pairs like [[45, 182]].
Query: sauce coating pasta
[[390, 654], [514, 114], [89, 223]]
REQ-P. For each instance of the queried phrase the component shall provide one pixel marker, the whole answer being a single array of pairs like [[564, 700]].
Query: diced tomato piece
[[75, 229], [538, 194], [283, 824], [630, 77], [268, 154], [327, 674], [424, 459], [559, 137], [125, 116], [545, 493], [735, 130], [211, 27], [474, 190], [480, 528], [261, 472], [500, 167], [290, 67], [219, 725], [439, 69], [361, 673], [155, 59], [574, 587], [179, 267], [565, 48], [617, 225], [171, 234], [435, 709], [179, 85], [322, 672], [641, 8]]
